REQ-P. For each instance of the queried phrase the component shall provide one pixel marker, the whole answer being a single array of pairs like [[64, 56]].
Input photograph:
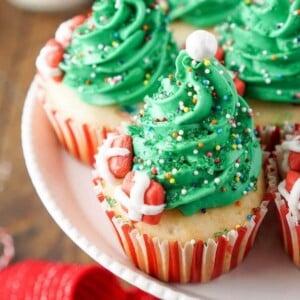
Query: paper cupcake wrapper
[[193, 261], [79, 139], [289, 230]]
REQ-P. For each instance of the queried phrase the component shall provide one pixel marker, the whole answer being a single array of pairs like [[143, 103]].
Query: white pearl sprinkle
[[183, 191], [217, 180], [201, 44]]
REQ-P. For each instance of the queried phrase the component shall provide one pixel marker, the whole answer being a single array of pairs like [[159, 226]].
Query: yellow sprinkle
[[148, 75], [234, 146], [218, 147], [172, 181], [186, 109], [200, 144], [195, 100], [237, 179], [190, 70], [115, 44], [175, 134], [273, 57], [146, 82], [213, 121], [206, 62], [171, 76], [237, 226]]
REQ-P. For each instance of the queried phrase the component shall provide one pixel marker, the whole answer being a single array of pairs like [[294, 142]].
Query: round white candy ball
[[201, 44]]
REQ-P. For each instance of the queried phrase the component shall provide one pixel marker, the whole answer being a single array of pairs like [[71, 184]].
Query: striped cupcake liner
[[79, 139], [193, 261], [289, 230]]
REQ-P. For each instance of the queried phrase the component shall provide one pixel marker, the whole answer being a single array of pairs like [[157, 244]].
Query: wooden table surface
[[36, 235]]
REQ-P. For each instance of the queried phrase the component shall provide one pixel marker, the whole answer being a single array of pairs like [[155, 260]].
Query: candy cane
[[48, 60], [105, 152], [135, 203], [65, 31]]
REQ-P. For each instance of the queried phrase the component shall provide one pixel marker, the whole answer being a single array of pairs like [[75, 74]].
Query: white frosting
[[105, 152], [292, 198], [42, 62], [135, 202], [201, 44], [64, 33], [293, 144]]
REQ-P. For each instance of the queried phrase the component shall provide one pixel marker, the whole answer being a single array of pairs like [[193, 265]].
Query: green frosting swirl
[[262, 43], [202, 13], [195, 136], [118, 55]]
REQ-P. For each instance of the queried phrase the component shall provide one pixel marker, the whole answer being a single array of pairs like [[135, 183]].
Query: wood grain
[[22, 34]]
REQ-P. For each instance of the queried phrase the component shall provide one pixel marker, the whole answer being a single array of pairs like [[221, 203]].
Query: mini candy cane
[[8, 249]]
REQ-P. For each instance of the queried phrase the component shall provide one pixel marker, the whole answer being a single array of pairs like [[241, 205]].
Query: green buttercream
[[195, 136], [202, 13], [262, 43], [119, 54]]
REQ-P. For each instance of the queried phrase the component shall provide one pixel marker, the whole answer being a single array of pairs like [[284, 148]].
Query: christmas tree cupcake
[[262, 44], [184, 189], [97, 68]]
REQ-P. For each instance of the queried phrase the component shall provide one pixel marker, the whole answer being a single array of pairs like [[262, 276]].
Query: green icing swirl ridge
[[195, 136], [119, 54], [262, 43], [203, 13]]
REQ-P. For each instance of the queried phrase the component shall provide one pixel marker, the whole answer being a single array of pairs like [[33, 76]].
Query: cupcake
[[98, 68], [288, 198], [184, 188], [262, 45]]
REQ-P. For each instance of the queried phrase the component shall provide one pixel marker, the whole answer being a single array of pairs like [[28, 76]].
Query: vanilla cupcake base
[[187, 256], [80, 127]]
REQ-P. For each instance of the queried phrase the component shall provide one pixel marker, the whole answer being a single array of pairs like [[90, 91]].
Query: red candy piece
[[220, 54], [154, 195], [78, 20], [291, 178], [294, 161], [120, 165], [54, 57], [240, 86]]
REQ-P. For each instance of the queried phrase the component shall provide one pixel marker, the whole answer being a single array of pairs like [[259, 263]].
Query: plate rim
[[158, 289]]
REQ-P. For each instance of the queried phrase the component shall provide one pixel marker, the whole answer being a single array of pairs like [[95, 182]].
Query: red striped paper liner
[[193, 261], [289, 230], [79, 139]]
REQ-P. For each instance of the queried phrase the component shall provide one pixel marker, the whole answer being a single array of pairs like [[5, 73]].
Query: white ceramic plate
[[64, 186]]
